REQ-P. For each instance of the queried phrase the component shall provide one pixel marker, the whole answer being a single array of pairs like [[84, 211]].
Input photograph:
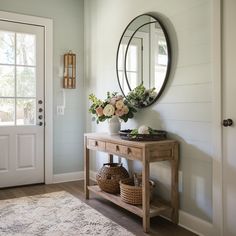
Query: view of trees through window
[[17, 78]]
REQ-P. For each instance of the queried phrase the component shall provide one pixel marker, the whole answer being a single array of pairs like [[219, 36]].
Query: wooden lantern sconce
[[69, 70]]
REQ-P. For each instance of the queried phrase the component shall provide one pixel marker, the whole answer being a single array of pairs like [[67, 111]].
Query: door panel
[[229, 111], [26, 151], [4, 154], [21, 87]]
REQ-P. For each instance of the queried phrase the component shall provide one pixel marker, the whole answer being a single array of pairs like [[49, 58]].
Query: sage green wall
[[185, 107], [68, 23]]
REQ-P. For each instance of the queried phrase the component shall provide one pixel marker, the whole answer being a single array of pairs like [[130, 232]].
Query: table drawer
[[134, 152], [96, 145], [124, 150], [116, 148]]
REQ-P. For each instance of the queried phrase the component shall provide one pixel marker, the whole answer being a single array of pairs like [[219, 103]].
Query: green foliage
[[140, 96], [134, 133]]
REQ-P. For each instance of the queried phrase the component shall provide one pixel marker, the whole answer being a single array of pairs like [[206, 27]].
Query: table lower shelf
[[156, 207]]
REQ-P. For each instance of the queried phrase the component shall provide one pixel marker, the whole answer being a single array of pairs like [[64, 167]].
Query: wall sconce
[[69, 70]]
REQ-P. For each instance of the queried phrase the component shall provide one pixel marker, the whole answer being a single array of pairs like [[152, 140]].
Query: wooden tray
[[159, 135]]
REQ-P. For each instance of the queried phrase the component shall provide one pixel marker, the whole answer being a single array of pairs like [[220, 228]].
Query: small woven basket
[[109, 175], [133, 194]]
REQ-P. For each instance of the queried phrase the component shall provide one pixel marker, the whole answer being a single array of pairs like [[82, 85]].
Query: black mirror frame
[[168, 50]]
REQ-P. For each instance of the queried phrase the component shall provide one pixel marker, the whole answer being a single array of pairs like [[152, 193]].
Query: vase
[[114, 125]]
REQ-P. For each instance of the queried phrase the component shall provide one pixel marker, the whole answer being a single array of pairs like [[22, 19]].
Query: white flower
[[109, 110], [143, 129], [153, 94]]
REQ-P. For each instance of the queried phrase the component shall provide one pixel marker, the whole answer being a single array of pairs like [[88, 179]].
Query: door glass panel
[[7, 111], [26, 86], [7, 81], [7, 47], [133, 79], [132, 58], [26, 112], [25, 49], [17, 78]]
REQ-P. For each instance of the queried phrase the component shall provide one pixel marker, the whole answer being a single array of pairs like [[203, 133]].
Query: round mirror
[[143, 60]]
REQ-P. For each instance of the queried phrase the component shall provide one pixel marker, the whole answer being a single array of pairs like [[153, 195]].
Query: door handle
[[227, 122], [40, 123]]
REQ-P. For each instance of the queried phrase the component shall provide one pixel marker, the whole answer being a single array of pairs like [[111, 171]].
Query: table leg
[[86, 169], [110, 158], [146, 196], [174, 186]]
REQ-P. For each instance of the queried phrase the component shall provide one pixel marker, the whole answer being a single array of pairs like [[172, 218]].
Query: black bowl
[[156, 136]]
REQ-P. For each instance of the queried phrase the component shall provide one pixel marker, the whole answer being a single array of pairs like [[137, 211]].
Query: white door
[[229, 112], [21, 104]]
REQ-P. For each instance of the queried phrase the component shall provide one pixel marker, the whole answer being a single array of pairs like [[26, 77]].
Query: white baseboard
[[67, 177], [186, 220], [195, 224]]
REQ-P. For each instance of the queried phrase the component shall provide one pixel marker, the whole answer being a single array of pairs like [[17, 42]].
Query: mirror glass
[[143, 60]]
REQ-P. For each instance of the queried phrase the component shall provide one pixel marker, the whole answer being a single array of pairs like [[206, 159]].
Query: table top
[[117, 139]]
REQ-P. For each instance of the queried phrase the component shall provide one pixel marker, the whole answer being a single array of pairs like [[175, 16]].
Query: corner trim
[[217, 151]]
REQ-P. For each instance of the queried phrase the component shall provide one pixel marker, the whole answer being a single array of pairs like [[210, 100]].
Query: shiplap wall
[[184, 109]]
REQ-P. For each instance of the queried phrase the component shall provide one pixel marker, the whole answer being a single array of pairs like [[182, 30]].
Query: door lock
[[227, 122]]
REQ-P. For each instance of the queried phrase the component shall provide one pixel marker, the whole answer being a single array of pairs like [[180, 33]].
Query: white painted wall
[[185, 108], [68, 23]]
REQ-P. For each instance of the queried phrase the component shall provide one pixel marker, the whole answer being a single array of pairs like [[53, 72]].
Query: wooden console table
[[146, 152]]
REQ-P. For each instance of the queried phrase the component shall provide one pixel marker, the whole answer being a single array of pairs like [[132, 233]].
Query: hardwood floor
[[159, 226]]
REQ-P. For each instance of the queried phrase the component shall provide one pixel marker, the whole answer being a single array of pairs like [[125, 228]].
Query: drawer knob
[[129, 150], [96, 143], [117, 148]]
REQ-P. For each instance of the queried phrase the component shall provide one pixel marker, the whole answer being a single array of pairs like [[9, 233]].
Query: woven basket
[[109, 175], [132, 194]]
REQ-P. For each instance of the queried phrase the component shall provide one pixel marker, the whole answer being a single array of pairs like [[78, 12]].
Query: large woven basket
[[109, 175], [133, 194]]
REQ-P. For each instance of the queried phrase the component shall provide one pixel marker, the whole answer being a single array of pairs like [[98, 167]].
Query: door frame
[[47, 24]]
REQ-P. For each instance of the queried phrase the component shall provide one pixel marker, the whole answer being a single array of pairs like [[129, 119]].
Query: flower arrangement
[[141, 97], [143, 129], [113, 105]]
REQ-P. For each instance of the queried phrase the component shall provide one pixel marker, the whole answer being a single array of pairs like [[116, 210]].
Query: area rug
[[54, 214]]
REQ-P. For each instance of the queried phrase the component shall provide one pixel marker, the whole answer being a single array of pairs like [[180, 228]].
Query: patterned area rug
[[54, 214]]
